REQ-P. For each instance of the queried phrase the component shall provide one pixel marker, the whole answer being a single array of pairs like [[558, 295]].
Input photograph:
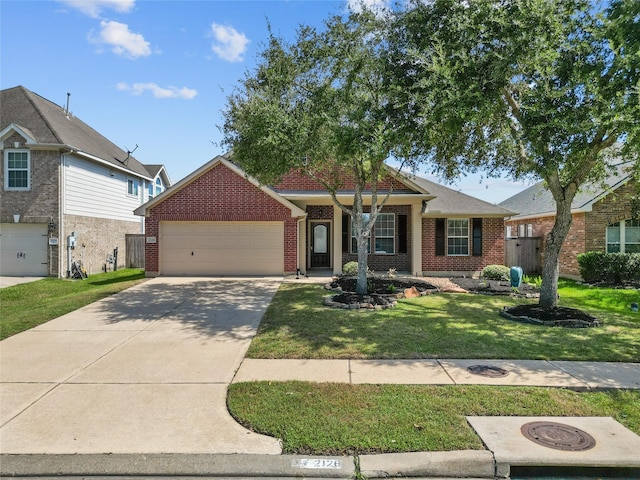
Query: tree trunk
[[362, 241], [552, 247]]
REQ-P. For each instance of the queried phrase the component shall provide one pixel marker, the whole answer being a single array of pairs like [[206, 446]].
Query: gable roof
[[450, 203], [537, 200], [142, 210], [46, 124]]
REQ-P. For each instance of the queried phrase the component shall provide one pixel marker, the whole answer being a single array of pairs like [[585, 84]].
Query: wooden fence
[[135, 250], [523, 252]]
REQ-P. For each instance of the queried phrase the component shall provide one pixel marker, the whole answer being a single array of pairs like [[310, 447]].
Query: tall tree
[[538, 88], [319, 105]]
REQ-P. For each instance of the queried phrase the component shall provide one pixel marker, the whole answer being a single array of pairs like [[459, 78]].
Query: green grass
[[28, 305], [336, 419], [297, 325]]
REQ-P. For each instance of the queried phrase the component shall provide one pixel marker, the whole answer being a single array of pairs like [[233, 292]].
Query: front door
[[320, 241]]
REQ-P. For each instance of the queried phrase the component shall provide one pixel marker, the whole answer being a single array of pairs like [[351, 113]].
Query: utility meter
[[71, 241]]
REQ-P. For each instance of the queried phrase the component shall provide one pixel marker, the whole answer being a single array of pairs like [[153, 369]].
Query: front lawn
[[337, 419], [297, 325], [28, 305]]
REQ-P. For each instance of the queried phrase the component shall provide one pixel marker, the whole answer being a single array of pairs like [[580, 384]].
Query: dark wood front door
[[320, 242]]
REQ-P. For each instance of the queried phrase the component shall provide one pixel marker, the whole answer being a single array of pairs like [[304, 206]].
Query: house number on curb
[[317, 463]]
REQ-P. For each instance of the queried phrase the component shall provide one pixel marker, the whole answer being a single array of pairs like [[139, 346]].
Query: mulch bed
[[551, 317], [496, 287], [383, 292]]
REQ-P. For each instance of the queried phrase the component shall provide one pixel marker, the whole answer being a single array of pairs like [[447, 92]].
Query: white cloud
[[377, 6], [229, 44], [122, 40], [157, 91], [93, 8]]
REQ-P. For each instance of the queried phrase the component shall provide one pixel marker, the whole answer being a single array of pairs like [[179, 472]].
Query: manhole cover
[[488, 371], [558, 436]]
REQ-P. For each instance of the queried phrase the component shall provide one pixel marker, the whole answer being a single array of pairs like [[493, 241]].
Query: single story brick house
[[219, 221], [601, 218]]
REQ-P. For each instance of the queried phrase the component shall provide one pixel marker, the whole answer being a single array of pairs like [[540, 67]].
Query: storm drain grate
[[488, 371], [558, 436]]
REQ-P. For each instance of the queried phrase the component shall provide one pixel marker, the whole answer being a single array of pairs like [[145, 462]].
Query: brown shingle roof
[[50, 124]]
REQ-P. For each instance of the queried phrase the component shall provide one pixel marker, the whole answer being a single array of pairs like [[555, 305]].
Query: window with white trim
[[17, 170], [384, 232], [458, 236], [624, 237], [133, 187]]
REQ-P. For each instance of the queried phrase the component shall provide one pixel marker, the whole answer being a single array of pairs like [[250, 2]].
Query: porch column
[[337, 240], [416, 238]]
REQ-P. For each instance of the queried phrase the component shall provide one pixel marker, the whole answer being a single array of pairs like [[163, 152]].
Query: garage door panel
[[221, 248], [23, 250]]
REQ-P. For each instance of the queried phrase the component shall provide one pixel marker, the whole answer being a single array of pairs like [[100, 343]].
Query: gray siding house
[[67, 192]]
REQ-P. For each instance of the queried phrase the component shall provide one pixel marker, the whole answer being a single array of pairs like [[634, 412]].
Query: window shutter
[[402, 234], [440, 236], [345, 233], [477, 236]]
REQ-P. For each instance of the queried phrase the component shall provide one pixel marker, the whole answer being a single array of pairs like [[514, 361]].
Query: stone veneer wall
[[100, 236]]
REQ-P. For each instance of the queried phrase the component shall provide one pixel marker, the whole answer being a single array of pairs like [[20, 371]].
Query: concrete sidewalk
[[539, 373]]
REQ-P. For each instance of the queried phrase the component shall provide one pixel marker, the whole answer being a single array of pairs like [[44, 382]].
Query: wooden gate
[[523, 252], [134, 250]]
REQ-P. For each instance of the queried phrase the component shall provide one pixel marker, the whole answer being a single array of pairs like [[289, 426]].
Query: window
[[155, 188], [457, 237], [159, 186], [384, 232], [132, 187], [17, 170], [624, 237]]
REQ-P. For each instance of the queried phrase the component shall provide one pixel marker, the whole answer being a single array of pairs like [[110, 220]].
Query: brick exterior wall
[[588, 229], [41, 203], [383, 262], [299, 181], [220, 195], [611, 209], [492, 249]]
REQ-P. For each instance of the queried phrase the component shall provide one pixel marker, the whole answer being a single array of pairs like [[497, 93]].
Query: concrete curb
[[455, 464], [178, 465]]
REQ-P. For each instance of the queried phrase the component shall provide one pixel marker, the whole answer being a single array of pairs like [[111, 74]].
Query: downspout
[[61, 209]]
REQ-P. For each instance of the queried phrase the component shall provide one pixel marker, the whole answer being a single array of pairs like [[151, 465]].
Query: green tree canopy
[[539, 88], [320, 105]]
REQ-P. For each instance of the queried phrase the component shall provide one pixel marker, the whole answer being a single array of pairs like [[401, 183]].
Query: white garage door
[[23, 250], [221, 248]]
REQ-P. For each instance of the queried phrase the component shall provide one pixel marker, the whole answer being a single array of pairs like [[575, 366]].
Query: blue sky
[[156, 73]]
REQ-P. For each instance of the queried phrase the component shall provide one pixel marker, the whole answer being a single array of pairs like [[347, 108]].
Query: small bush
[[496, 272], [350, 269], [611, 268]]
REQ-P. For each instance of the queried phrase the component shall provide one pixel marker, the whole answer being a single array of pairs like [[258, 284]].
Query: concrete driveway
[[144, 371]]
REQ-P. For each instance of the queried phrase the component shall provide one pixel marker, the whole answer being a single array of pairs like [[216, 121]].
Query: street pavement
[[136, 384]]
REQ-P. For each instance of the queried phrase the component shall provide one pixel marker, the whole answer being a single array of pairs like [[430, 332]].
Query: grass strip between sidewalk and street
[[340, 419], [28, 305], [298, 325]]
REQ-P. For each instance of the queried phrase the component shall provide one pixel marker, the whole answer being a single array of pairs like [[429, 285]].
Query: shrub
[[612, 268], [496, 272], [350, 268]]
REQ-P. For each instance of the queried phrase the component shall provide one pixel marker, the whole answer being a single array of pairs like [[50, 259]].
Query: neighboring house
[[219, 221], [61, 178], [601, 218]]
